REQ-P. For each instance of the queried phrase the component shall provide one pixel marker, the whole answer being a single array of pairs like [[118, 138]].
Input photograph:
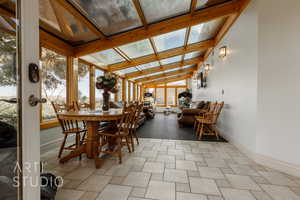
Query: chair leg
[[132, 142], [201, 131], [62, 146], [198, 129], [120, 150], [136, 137], [83, 137], [78, 142], [128, 143], [195, 124]]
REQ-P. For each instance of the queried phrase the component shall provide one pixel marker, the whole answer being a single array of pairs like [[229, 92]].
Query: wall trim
[[267, 161]]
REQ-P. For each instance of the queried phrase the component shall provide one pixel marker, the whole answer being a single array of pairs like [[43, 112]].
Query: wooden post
[[141, 93], [176, 94], [134, 91], [128, 92], [72, 79], [166, 95], [92, 87], [123, 90]]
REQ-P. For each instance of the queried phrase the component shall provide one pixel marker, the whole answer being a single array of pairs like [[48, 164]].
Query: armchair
[[187, 116]]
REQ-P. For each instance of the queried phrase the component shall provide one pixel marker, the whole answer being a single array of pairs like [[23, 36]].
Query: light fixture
[[207, 67], [223, 52]]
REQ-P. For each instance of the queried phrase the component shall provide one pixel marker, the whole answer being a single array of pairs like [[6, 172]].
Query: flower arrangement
[[107, 82]]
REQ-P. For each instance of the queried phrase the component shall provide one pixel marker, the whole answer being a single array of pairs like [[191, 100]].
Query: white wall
[[237, 75], [278, 133]]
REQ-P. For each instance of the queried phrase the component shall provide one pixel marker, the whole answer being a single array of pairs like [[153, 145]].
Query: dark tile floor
[[166, 127]]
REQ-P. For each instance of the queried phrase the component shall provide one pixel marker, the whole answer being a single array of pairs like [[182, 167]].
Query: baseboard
[[267, 161]]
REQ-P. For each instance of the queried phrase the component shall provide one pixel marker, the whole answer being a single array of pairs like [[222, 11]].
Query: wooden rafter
[[10, 22], [155, 49], [164, 67], [60, 18], [165, 26], [172, 73], [140, 12], [81, 18], [186, 40], [4, 12], [167, 80], [193, 6], [122, 54], [162, 55]]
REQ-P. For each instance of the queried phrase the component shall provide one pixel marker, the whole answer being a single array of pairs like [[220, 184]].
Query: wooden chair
[[81, 106], [69, 127], [207, 124], [115, 139], [133, 128], [210, 108]]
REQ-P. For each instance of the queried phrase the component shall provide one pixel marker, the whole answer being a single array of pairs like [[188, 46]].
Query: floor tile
[[80, 173], [260, 195], [242, 182], [161, 190], [135, 161], [89, 196], [175, 152], [215, 162], [66, 194], [165, 158], [186, 165], [138, 192], [278, 179], [115, 192], [189, 196], [153, 167], [94, 183], [211, 172], [235, 194], [138, 179], [194, 157], [182, 187], [280, 192], [174, 175], [204, 186]]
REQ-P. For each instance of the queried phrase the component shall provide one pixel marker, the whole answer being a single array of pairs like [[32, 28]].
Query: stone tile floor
[[173, 170]]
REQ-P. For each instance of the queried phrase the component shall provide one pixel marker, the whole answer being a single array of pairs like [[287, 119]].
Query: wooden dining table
[[92, 119]]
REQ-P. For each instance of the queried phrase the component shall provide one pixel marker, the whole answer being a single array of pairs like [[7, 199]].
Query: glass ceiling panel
[[193, 54], [171, 60], [103, 58], [47, 14], [158, 10], [137, 49], [149, 65], [208, 3], [112, 16], [128, 70], [170, 40], [205, 31], [5, 25], [171, 70], [182, 82]]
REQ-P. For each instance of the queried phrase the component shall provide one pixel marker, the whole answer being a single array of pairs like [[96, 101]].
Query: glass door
[[19, 121]]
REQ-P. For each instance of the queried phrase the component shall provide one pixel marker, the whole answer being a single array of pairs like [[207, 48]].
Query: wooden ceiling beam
[[193, 6], [6, 13], [168, 80], [81, 18], [164, 67], [140, 12], [172, 73], [165, 26], [162, 55]]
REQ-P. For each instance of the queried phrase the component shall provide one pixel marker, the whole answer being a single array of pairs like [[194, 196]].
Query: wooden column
[[116, 94], [128, 92], [72, 79], [123, 90], [141, 93], [176, 94], [92, 87], [166, 95]]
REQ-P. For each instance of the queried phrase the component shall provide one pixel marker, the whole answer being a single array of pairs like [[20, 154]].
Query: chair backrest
[[139, 109], [125, 122], [217, 111], [80, 106]]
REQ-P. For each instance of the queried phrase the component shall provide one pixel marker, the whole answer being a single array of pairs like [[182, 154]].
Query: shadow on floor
[[166, 127]]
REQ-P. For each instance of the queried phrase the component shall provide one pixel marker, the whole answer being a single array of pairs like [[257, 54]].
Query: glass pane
[[170, 40], [171, 60], [153, 74], [193, 54], [131, 92], [137, 49], [177, 83], [171, 70], [160, 96], [113, 16], [205, 31], [54, 86], [128, 70], [158, 10], [47, 14], [126, 91], [104, 58], [149, 65], [8, 115], [171, 96], [83, 83], [207, 3], [120, 91], [98, 93]]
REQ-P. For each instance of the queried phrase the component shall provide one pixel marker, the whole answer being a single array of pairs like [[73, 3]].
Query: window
[[131, 92], [120, 92], [171, 96], [53, 84], [160, 96], [126, 90], [98, 93], [83, 83]]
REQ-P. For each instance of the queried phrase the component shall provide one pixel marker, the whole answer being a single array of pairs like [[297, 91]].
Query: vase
[[106, 97]]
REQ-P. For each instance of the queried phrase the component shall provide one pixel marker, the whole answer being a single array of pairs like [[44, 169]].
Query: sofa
[[187, 115]]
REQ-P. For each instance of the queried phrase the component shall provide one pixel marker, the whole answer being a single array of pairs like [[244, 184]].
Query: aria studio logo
[[30, 176]]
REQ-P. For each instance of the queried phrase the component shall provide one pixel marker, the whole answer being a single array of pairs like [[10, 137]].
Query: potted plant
[[107, 83]]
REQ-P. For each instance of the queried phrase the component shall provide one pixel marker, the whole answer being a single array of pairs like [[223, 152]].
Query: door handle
[[33, 101]]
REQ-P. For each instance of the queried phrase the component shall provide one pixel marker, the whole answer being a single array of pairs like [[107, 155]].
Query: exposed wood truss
[[172, 73], [166, 26], [166, 54], [164, 67], [168, 80], [81, 18], [140, 12]]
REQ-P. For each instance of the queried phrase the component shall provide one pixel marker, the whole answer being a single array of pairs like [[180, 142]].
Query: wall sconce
[[207, 68], [223, 52]]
